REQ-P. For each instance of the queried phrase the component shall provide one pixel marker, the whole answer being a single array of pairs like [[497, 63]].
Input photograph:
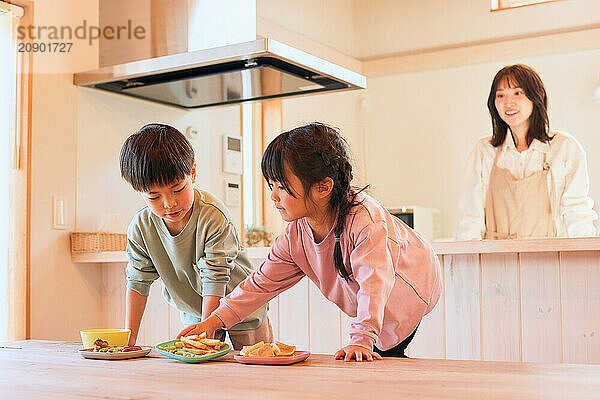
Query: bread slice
[[281, 349], [194, 343], [264, 351], [246, 349], [197, 337]]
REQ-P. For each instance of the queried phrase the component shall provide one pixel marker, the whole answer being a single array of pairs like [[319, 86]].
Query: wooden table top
[[50, 369]]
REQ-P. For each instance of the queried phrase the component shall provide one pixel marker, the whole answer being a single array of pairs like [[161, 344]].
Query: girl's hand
[[359, 353], [209, 325]]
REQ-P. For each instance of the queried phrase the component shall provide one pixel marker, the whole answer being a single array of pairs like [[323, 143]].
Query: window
[[508, 4]]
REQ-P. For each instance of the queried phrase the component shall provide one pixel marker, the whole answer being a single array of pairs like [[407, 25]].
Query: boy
[[183, 236]]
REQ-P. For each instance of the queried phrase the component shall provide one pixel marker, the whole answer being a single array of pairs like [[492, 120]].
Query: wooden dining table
[[54, 369]]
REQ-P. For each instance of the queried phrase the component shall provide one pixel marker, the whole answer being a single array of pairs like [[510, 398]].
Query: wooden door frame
[[19, 242]]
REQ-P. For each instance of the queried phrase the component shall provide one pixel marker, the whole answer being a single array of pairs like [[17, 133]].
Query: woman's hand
[[209, 325], [359, 353]]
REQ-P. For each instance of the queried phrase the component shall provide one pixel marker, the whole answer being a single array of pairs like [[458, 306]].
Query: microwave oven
[[426, 221]]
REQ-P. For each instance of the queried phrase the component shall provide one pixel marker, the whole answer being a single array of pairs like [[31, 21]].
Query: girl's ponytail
[[345, 199]]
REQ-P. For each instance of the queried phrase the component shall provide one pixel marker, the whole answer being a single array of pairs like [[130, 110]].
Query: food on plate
[[262, 349], [103, 347], [194, 345], [100, 343], [114, 337]]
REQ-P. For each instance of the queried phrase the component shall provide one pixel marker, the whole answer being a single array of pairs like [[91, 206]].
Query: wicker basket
[[87, 242]]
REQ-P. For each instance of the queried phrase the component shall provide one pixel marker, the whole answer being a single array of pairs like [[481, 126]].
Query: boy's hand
[[359, 353], [209, 325]]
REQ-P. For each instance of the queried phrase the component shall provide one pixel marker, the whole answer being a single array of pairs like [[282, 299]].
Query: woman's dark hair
[[314, 152], [157, 154], [526, 78]]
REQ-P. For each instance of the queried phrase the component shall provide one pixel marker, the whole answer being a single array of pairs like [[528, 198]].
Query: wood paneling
[[540, 307], [533, 306], [430, 340], [580, 297], [294, 315], [324, 322], [462, 303], [500, 334]]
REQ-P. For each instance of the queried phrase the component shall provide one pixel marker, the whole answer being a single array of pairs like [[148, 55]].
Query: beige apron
[[518, 208]]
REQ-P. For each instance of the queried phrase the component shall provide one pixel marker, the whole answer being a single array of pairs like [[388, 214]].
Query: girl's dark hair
[[314, 152], [157, 154], [526, 78]]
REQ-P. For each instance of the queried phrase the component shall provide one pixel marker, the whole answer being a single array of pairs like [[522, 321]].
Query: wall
[[424, 124], [105, 120], [329, 23], [342, 110], [64, 296], [404, 26]]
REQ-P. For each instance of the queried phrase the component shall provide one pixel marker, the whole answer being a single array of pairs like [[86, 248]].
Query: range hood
[[249, 71]]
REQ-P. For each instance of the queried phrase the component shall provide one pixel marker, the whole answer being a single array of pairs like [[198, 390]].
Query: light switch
[[58, 213], [232, 194]]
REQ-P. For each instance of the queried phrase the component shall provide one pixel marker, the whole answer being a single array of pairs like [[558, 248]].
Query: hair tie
[[337, 239]]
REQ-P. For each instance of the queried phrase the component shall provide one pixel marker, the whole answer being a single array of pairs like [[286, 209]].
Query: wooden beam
[[19, 240]]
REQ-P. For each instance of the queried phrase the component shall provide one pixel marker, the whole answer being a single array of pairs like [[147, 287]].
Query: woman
[[525, 181]]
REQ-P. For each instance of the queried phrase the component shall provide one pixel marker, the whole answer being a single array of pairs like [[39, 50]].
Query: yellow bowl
[[114, 337]]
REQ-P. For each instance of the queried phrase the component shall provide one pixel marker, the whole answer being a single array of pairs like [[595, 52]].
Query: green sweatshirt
[[204, 259]]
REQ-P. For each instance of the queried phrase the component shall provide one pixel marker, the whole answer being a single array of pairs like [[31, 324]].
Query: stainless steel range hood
[[249, 71]]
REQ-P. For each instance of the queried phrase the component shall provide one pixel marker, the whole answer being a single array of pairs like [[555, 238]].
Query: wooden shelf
[[441, 248], [100, 257], [517, 246], [492, 246]]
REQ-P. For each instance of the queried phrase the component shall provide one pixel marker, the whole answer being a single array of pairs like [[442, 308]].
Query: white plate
[[97, 355]]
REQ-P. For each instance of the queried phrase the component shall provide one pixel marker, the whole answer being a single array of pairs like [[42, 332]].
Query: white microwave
[[426, 221]]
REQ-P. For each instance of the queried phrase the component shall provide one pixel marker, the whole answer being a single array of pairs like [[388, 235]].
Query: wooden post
[[20, 196]]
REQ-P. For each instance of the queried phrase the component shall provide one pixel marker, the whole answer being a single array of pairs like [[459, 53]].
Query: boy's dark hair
[[314, 152], [525, 77], [157, 154]]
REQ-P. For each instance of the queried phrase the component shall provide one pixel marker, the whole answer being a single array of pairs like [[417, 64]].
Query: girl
[[531, 183], [370, 264]]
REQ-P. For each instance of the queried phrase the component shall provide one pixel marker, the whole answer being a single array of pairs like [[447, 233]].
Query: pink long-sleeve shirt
[[395, 276]]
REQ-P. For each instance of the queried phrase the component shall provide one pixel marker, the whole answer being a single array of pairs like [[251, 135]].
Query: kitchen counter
[[506, 300], [49, 369], [441, 248]]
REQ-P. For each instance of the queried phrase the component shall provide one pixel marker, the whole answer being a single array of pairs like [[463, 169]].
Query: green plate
[[195, 359]]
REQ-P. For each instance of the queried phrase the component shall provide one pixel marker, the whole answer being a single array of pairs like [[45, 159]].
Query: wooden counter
[[441, 248], [43, 369], [506, 300]]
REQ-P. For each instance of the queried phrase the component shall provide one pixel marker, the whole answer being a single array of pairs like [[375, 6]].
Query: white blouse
[[568, 183]]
